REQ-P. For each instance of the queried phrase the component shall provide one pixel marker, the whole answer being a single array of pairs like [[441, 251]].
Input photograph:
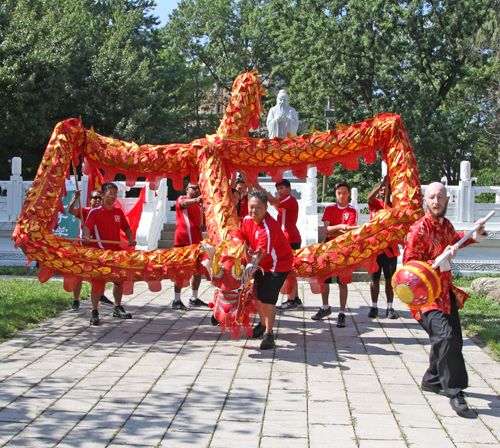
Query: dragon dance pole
[[446, 253], [79, 196], [123, 243], [417, 284]]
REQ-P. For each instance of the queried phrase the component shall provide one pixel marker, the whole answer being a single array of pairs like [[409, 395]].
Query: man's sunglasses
[[97, 198]]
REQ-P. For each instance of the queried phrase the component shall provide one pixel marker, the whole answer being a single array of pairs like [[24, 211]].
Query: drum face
[[416, 284]]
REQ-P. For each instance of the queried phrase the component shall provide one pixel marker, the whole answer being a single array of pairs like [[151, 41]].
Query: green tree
[[103, 61], [225, 37], [487, 41], [411, 58]]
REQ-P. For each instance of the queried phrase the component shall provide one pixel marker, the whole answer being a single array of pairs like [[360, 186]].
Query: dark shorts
[[386, 264], [295, 246], [331, 280], [268, 285]]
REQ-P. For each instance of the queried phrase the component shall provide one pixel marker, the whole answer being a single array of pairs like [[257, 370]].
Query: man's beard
[[440, 214]]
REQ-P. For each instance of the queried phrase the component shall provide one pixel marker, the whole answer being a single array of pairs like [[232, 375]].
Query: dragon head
[[234, 304]]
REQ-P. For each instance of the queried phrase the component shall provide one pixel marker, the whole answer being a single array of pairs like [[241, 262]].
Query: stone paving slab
[[169, 379]]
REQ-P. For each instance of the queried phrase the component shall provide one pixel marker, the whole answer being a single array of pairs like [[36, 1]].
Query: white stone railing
[[156, 210], [463, 210], [154, 215], [14, 192]]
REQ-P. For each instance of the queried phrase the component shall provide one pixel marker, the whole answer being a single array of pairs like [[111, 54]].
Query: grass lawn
[[25, 303], [480, 316], [18, 270]]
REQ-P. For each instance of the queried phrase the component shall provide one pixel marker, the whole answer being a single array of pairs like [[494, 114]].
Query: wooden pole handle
[[447, 253], [123, 243], [79, 196], [386, 197]]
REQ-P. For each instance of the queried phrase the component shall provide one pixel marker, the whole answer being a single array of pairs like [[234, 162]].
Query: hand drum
[[416, 284]]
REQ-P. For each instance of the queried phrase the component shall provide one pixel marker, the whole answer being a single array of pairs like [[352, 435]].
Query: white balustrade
[[154, 215], [463, 210]]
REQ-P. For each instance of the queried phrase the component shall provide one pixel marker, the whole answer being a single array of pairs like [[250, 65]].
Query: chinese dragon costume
[[211, 161]]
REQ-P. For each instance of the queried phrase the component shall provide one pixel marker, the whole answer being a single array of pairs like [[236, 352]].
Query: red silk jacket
[[426, 240]]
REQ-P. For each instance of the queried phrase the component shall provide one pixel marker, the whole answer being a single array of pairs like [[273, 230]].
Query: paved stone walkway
[[169, 379]]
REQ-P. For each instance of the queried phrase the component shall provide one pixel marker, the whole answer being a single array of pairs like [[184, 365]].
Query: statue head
[[282, 99]]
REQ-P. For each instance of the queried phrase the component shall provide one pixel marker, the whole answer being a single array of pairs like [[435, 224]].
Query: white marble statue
[[282, 118]]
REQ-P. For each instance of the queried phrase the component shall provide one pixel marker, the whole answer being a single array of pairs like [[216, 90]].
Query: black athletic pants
[[446, 362]]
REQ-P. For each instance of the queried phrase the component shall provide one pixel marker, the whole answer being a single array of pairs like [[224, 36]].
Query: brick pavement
[[169, 379]]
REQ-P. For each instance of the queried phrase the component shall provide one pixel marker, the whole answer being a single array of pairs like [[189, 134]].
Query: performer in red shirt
[[262, 231], [428, 238], [105, 223], [337, 218], [237, 200], [288, 213], [95, 201], [189, 222], [242, 187], [386, 261]]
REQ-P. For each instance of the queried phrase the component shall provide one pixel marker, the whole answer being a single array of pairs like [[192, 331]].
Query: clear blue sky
[[164, 8]]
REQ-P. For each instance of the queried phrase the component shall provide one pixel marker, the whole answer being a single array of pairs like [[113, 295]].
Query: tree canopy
[[413, 58], [99, 60], [436, 64]]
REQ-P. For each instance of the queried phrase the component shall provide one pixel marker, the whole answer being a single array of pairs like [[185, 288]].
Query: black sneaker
[[322, 313], [341, 320], [94, 317], [258, 331], [390, 313], [288, 305], [120, 312], [76, 305], [458, 403], [268, 342], [214, 322], [298, 301], [197, 303], [105, 300], [178, 305], [373, 312]]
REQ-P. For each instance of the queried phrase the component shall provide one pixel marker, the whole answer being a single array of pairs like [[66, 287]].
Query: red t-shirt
[[187, 223], [268, 236], [106, 224], [287, 218], [244, 207], [377, 205], [335, 215]]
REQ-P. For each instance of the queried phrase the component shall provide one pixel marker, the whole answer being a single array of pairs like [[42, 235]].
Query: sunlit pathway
[[169, 379]]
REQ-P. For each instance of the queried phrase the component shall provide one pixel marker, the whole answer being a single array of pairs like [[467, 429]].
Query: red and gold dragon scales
[[211, 161]]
